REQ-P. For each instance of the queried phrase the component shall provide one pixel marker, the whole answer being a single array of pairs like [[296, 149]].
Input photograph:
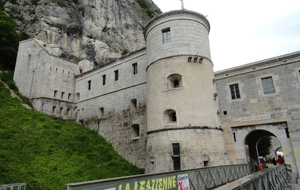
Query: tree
[[264, 146], [9, 42]]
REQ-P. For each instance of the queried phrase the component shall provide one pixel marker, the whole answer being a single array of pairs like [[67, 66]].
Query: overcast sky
[[244, 31]]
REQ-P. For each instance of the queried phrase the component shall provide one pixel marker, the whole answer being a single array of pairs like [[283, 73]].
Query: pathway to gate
[[227, 177], [195, 179]]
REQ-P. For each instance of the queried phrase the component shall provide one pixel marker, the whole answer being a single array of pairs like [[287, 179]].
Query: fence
[[275, 178], [195, 179], [15, 186]]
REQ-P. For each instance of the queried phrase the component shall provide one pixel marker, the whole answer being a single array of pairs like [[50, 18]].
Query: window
[[62, 95], [77, 96], [101, 112], [170, 116], [235, 92], [116, 75], [176, 156], [268, 85], [89, 84], [53, 109], [166, 34], [69, 96], [174, 81], [55, 93], [135, 68], [68, 111], [103, 79], [133, 104], [135, 130], [61, 110]]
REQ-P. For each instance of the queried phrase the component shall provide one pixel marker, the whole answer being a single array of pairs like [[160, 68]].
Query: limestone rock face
[[99, 30]]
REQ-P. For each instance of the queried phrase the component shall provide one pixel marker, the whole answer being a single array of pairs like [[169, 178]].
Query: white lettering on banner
[[252, 118]]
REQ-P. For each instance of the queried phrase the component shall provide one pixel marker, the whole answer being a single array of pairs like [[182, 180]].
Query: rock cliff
[[99, 30]]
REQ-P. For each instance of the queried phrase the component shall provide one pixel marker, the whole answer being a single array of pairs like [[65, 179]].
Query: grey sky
[[246, 31]]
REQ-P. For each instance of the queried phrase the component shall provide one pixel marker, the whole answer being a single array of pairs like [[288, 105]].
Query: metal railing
[[195, 179], [275, 178], [15, 186]]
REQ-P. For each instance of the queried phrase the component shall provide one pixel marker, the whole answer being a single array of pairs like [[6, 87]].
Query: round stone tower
[[182, 122]]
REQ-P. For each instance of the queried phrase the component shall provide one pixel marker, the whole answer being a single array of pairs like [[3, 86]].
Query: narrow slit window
[[89, 84], [116, 75], [55, 93], [176, 156], [69, 96], [53, 109], [103, 79], [62, 95], [101, 112], [135, 68]]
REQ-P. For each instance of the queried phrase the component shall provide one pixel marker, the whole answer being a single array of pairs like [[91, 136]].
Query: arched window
[[170, 117], [174, 81], [135, 130]]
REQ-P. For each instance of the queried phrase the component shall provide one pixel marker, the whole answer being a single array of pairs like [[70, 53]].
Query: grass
[[47, 153]]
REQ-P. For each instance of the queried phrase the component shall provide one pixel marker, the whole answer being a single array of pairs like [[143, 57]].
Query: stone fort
[[163, 107]]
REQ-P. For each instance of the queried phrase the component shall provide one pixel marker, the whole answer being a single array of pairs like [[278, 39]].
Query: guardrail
[[195, 179], [15, 186], [275, 178]]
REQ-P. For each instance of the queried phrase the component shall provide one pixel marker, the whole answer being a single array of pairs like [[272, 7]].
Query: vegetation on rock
[[9, 42], [47, 153]]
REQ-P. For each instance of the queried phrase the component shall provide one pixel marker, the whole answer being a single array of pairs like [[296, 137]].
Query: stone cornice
[[185, 128], [177, 12]]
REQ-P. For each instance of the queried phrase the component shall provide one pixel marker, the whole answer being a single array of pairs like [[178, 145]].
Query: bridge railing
[[195, 179], [15, 186], [274, 178]]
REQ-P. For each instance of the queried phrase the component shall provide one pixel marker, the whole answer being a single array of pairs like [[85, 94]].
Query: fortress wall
[[109, 109], [45, 78], [126, 77], [256, 109]]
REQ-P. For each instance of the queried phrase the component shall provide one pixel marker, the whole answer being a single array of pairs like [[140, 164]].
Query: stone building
[[162, 107]]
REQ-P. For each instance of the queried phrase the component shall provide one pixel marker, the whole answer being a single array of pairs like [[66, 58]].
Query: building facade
[[162, 107]]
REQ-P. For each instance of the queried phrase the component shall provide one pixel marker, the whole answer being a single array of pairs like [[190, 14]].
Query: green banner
[[169, 182]]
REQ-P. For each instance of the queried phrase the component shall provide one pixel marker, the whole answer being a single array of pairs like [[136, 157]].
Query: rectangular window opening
[[268, 85], [234, 137], [135, 68], [287, 133], [89, 84], [103, 79], [235, 92], [116, 75], [176, 156], [53, 109], [166, 34], [62, 95], [69, 96]]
